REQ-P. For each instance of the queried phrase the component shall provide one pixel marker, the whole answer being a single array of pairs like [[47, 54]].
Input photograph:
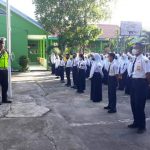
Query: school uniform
[[148, 88], [128, 80], [75, 72], [122, 75], [140, 68], [53, 60], [57, 62], [61, 70], [112, 86], [105, 70], [81, 76], [96, 75], [88, 65], [68, 67]]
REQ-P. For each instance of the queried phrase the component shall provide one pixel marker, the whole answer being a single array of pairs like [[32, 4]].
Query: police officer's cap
[[2, 40]]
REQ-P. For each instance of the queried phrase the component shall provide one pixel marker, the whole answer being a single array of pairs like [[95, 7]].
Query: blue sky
[[123, 10]]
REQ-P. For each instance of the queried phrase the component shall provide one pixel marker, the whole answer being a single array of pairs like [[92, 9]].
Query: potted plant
[[23, 62]]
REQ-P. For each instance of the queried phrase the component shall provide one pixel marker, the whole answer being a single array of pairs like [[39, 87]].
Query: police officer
[[112, 84], [140, 71], [4, 56]]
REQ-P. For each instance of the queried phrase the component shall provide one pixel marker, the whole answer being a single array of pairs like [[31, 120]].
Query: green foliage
[[70, 19], [23, 62]]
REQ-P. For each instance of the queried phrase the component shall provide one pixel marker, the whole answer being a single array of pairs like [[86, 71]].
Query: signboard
[[131, 28]]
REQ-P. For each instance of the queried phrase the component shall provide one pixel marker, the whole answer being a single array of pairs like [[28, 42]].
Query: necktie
[[133, 67]]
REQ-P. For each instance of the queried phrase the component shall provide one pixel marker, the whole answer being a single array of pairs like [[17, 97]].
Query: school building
[[30, 39]]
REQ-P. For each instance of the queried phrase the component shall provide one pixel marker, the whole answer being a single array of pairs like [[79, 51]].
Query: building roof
[[109, 31], [3, 3]]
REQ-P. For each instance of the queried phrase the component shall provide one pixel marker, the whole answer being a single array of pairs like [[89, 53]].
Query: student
[[75, 70], [122, 72], [96, 75], [112, 84], [105, 69], [140, 71], [61, 69], [81, 74], [68, 67], [57, 62], [87, 60], [53, 60]]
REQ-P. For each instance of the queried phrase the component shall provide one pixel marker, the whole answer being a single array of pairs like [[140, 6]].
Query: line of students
[[125, 72]]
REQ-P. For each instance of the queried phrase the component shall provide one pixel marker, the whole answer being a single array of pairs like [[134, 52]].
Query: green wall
[[21, 28]]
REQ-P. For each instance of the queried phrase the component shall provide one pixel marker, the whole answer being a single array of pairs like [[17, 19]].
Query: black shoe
[[7, 102], [74, 87], [62, 81], [112, 111], [0, 103], [141, 131], [132, 126], [80, 92], [107, 107]]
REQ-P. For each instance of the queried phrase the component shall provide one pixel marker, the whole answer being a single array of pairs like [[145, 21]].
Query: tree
[[70, 19]]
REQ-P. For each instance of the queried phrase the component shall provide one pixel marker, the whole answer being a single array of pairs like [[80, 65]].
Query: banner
[[131, 28]]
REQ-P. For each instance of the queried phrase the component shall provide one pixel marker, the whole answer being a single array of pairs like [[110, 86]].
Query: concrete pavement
[[45, 115]]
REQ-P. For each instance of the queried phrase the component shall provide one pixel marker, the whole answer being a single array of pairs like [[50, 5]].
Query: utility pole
[[8, 22]]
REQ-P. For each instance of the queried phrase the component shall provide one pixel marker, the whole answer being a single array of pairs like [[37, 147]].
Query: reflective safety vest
[[4, 60]]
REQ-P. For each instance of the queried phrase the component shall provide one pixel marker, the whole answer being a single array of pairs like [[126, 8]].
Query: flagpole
[[8, 22]]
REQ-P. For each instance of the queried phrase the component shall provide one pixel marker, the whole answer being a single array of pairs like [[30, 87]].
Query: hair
[[140, 45], [112, 55], [82, 56]]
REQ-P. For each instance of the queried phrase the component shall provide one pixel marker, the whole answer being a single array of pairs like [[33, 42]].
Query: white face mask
[[134, 51]]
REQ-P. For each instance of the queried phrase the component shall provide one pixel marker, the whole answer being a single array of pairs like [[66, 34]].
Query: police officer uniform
[[112, 87], [4, 57], [96, 75], [139, 85]]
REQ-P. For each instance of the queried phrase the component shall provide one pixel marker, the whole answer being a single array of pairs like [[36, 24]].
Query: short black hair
[[112, 55], [140, 45]]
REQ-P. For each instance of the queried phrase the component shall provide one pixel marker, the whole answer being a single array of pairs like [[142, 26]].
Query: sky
[[123, 10]]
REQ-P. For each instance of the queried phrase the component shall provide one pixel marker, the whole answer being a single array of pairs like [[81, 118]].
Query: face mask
[[134, 51]]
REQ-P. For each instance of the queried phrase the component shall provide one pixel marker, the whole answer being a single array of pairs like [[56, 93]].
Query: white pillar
[[8, 22]]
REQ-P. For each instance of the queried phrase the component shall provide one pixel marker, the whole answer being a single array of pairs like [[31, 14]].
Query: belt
[[139, 78]]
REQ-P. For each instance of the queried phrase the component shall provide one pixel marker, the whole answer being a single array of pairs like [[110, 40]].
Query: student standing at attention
[[112, 84], [81, 74], [140, 74], [68, 70], [96, 75]]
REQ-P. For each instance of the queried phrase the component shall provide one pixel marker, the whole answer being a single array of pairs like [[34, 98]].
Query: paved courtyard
[[45, 115]]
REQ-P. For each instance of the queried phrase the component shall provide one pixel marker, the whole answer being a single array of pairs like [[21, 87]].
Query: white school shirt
[[53, 58], [62, 63], [141, 67], [82, 65], [68, 63], [57, 62], [122, 66], [75, 62], [96, 67], [113, 69]]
